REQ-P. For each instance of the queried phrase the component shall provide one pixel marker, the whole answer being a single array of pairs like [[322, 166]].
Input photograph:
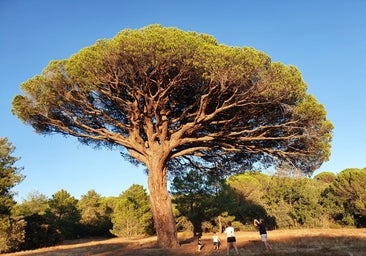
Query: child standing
[[199, 243], [216, 241]]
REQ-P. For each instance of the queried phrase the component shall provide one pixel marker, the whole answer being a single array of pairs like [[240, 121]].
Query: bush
[[11, 234], [40, 231], [238, 225]]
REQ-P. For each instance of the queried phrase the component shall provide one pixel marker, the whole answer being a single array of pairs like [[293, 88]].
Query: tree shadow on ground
[[284, 242], [308, 244]]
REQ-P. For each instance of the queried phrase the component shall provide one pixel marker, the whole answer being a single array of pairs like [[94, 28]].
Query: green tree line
[[201, 203], [39, 221], [327, 200]]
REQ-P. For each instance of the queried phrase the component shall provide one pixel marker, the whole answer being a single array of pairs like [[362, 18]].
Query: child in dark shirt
[[199, 243]]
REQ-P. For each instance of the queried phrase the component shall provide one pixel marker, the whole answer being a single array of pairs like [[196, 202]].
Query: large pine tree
[[167, 95]]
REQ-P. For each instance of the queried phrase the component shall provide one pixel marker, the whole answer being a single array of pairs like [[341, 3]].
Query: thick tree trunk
[[197, 228], [161, 206]]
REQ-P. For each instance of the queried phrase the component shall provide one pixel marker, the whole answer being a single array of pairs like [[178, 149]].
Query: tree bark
[[161, 205]]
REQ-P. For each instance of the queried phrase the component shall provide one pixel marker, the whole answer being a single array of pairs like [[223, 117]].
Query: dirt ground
[[309, 242]]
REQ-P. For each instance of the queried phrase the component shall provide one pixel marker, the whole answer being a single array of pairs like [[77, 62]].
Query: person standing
[[216, 241], [263, 233], [230, 238], [199, 243]]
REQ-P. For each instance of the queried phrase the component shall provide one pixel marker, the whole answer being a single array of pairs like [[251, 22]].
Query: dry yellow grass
[[302, 242]]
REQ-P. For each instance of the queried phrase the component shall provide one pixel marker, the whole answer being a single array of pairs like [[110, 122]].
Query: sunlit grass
[[304, 242], [301, 242]]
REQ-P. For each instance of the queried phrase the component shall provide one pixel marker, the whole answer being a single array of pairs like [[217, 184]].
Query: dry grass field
[[302, 242]]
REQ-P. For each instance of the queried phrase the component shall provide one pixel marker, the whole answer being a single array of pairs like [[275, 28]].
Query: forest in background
[[202, 203]]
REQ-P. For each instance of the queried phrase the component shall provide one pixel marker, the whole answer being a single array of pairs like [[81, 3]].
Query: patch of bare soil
[[304, 242]]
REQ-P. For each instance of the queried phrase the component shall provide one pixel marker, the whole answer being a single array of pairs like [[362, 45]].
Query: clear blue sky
[[325, 39]]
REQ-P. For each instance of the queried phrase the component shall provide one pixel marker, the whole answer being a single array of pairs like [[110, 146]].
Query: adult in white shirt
[[230, 238]]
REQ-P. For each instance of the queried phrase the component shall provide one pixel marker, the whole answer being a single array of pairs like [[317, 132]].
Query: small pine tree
[[10, 232], [132, 216]]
